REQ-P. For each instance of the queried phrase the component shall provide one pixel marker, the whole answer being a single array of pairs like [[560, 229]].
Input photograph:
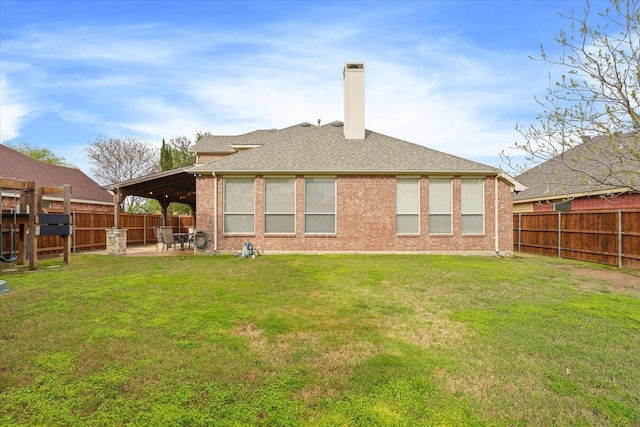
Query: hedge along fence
[[610, 237], [89, 231]]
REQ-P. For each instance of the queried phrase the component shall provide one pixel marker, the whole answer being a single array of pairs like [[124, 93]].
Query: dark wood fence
[[90, 232], [610, 237]]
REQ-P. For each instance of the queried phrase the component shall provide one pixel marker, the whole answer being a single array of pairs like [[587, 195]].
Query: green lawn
[[336, 340]]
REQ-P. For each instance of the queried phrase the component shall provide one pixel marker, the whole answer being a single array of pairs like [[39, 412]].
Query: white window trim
[[473, 213], [295, 201], [335, 207], [225, 212], [450, 212], [398, 213]]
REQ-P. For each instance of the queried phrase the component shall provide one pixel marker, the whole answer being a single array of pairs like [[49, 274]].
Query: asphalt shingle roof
[[14, 164], [223, 144], [306, 148], [595, 166]]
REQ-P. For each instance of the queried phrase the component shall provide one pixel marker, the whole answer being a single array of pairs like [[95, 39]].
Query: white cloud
[[159, 81], [14, 110]]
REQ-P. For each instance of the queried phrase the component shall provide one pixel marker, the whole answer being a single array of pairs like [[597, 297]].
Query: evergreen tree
[[166, 157]]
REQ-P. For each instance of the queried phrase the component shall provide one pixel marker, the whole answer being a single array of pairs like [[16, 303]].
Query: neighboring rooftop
[[14, 164], [597, 166]]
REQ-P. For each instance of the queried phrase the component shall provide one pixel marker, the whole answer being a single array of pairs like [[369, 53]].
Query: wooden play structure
[[28, 221]]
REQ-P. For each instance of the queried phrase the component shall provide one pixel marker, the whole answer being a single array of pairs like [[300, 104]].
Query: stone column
[[116, 241]]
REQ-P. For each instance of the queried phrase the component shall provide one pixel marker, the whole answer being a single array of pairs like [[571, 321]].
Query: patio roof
[[175, 185]]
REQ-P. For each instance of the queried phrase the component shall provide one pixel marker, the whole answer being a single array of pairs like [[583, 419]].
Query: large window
[[440, 206], [238, 205], [407, 206], [280, 205], [320, 205], [472, 195]]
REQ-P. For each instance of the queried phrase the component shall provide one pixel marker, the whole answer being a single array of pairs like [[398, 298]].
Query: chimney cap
[[354, 66]]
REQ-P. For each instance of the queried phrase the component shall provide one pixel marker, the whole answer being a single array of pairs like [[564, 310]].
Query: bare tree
[[590, 119], [119, 159]]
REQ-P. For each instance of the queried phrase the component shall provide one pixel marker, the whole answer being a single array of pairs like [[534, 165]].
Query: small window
[[320, 205], [408, 206], [239, 205], [440, 206], [561, 207], [280, 205]]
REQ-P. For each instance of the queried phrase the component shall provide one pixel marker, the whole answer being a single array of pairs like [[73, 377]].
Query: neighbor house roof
[[600, 165], [14, 164], [323, 149]]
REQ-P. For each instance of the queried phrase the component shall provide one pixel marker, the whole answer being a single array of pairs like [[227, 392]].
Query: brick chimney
[[353, 76]]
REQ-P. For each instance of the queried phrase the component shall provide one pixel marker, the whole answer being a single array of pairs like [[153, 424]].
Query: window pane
[[408, 224], [472, 224], [472, 195], [280, 223], [440, 195], [238, 223], [564, 206], [407, 196], [280, 195], [320, 224], [238, 195], [320, 195], [440, 224]]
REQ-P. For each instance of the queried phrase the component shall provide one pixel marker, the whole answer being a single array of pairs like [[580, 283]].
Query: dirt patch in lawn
[[627, 282]]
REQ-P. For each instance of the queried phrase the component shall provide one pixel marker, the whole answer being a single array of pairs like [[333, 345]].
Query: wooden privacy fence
[[89, 231], [609, 237]]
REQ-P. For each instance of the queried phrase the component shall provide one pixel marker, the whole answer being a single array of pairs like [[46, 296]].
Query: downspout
[[215, 213], [495, 217]]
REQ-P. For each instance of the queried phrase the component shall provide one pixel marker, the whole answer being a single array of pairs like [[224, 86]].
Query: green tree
[[180, 146], [145, 206], [166, 158], [42, 154], [597, 95]]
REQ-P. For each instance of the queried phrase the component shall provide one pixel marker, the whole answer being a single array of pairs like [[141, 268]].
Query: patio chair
[[190, 237], [158, 233], [167, 238]]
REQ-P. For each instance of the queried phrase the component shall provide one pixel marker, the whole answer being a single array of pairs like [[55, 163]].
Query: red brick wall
[[623, 201], [366, 219]]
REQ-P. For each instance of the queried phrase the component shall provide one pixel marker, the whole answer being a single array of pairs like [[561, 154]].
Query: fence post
[[619, 238], [75, 230], [144, 230], [519, 232], [559, 234]]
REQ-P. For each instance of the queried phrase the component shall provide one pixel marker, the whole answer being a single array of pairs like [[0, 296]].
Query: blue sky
[[451, 75]]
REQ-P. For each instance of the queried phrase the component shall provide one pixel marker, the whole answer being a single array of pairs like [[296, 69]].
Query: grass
[[362, 340]]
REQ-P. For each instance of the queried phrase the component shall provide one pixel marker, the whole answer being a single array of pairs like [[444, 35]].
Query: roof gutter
[[359, 172], [620, 190]]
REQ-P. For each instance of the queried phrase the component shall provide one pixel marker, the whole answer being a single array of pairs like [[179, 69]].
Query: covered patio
[[175, 185]]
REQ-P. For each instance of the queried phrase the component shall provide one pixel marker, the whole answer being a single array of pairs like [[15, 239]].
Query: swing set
[[26, 221]]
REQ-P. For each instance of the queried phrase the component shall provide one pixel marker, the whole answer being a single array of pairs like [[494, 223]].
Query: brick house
[[600, 173], [86, 194], [342, 188]]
